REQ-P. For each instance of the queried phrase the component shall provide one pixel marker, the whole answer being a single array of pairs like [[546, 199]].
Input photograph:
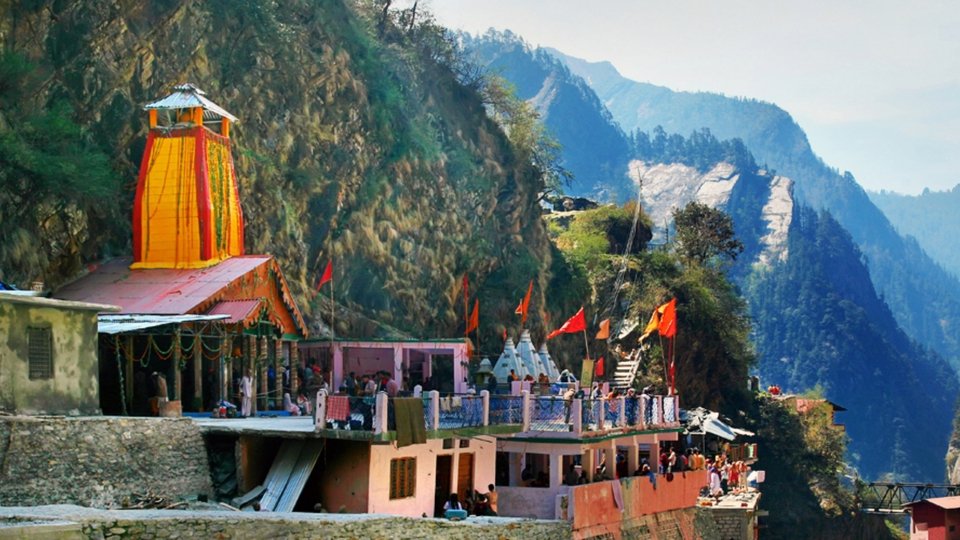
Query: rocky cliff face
[[668, 187], [356, 143]]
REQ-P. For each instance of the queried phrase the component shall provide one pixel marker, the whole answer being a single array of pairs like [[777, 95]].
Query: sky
[[875, 84]]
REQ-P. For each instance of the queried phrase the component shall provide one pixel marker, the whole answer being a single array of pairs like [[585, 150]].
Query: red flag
[[474, 320], [668, 321], [577, 323], [599, 367], [524, 306], [327, 275], [504, 335]]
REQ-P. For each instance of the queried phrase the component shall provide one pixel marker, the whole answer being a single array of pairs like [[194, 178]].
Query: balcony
[[372, 418]]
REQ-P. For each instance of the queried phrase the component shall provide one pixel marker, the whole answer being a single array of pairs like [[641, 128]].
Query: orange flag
[[327, 275], [599, 367], [524, 306], [668, 321], [604, 332], [577, 323], [474, 322]]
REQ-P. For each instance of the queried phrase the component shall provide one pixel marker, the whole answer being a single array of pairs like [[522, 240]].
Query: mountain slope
[[356, 143], [923, 297], [595, 150], [817, 320], [931, 218]]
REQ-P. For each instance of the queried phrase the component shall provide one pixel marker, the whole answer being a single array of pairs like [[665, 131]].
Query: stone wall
[[99, 461], [157, 524]]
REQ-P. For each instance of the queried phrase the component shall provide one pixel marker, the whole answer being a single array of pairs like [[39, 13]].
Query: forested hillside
[[356, 143], [924, 298], [594, 148], [931, 218]]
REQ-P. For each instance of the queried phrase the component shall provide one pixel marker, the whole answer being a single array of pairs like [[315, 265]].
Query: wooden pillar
[[251, 361], [294, 367], [262, 374], [198, 404], [128, 374], [277, 376], [226, 386], [175, 365], [222, 369]]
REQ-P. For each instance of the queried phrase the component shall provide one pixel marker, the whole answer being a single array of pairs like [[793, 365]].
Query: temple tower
[[186, 213]]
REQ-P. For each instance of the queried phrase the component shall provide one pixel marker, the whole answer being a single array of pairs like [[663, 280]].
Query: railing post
[[576, 412], [417, 391], [602, 414], [435, 407], [380, 415], [320, 411], [623, 412], [526, 410], [485, 398]]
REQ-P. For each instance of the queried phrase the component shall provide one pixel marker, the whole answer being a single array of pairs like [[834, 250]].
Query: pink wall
[[595, 513], [484, 456]]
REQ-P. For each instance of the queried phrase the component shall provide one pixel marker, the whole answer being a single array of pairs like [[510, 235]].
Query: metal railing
[[550, 413], [505, 410], [532, 413], [461, 411]]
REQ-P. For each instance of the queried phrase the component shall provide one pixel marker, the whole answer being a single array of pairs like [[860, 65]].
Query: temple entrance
[[441, 490]]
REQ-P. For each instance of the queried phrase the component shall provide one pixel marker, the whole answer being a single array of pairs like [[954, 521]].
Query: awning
[[122, 324], [701, 421], [244, 312], [718, 428]]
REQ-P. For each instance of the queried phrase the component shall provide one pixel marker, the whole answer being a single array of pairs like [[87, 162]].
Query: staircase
[[627, 370]]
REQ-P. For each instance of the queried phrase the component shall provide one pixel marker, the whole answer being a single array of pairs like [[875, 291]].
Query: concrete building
[[935, 519], [48, 358]]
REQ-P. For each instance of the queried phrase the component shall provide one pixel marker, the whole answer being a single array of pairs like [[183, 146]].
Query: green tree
[[704, 233]]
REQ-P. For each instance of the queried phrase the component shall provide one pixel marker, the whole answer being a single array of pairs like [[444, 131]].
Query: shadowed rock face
[[350, 148]]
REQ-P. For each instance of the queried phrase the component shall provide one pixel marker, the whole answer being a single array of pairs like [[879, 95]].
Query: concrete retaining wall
[[99, 461]]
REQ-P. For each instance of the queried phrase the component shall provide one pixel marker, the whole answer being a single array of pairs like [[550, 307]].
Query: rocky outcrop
[[666, 187]]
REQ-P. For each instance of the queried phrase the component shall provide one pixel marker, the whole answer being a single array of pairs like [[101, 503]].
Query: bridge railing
[[895, 497]]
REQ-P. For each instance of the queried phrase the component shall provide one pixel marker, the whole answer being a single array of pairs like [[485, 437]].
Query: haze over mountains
[[844, 302]]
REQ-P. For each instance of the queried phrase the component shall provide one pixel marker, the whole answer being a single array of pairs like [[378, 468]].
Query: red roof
[[158, 291], [240, 311], [947, 503]]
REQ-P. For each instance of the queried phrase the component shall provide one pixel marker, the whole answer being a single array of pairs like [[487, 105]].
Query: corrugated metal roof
[[158, 291], [40, 301], [187, 96], [121, 324], [237, 311]]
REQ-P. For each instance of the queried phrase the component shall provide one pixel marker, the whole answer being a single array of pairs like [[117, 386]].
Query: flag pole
[[585, 343]]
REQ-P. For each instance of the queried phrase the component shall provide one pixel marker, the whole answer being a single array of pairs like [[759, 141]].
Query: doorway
[[465, 476], [441, 490]]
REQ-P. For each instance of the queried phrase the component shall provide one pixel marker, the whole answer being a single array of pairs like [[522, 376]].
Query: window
[[40, 352], [403, 477]]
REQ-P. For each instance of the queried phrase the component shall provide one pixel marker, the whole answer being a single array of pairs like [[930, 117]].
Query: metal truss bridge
[[890, 498]]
